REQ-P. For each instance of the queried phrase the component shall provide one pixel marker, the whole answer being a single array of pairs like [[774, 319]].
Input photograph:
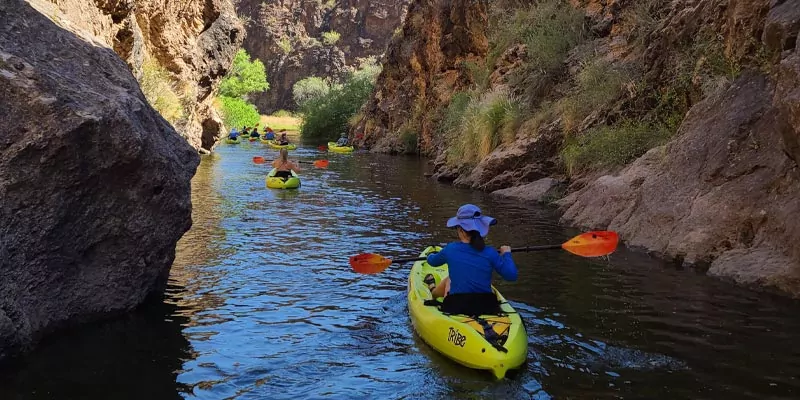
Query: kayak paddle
[[589, 244], [317, 163]]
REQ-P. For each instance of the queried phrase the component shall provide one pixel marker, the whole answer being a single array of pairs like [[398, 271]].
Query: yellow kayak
[[275, 145], [232, 141], [339, 149], [281, 183], [461, 338]]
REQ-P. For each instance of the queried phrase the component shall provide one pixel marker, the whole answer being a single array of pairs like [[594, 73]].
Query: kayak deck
[[274, 182], [463, 338], [339, 149]]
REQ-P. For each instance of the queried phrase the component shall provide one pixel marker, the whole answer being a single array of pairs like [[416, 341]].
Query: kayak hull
[[339, 149], [274, 145], [232, 141], [278, 183], [460, 338]]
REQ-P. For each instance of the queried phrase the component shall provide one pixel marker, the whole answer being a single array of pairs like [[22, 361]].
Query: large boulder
[[94, 184], [725, 193]]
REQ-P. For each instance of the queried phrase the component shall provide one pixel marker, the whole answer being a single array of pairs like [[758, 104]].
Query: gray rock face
[[94, 184], [287, 36], [534, 191], [725, 192]]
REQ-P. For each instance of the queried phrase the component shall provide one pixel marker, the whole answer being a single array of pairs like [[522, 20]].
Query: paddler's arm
[[437, 259], [504, 264]]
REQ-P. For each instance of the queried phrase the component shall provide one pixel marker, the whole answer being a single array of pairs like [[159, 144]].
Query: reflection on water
[[262, 304]]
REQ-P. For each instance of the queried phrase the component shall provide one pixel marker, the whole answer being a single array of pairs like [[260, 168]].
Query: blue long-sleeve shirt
[[471, 270]]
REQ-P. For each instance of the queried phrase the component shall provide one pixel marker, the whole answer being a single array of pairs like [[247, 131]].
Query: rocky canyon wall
[[287, 35], [716, 79], [94, 183], [193, 41]]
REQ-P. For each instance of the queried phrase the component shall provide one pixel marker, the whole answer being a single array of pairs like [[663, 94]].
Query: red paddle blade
[[321, 163], [592, 244], [258, 160], [369, 263]]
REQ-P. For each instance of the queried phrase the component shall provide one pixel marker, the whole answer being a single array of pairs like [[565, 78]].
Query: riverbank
[[261, 300], [678, 129]]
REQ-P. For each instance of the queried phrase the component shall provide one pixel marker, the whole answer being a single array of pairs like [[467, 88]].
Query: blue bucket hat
[[469, 218]]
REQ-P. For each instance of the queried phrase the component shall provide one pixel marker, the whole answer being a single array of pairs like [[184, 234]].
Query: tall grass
[[597, 85], [478, 127], [161, 91], [549, 30]]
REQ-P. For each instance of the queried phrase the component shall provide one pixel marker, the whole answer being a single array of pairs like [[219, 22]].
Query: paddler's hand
[[505, 249]]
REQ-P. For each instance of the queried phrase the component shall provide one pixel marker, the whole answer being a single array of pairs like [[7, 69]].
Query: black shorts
[[283, 174], [471, 304]]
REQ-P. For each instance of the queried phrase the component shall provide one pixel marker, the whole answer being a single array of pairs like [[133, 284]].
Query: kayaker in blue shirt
[[234, 134], [254, 133], [468, 289], [269, 134]]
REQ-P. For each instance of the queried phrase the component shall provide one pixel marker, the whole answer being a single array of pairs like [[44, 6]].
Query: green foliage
[[160, 91], [479, 73], [326, 116], [245, 77], [454, 113], [598, 84], [309, 88], [237, 112], [410, 140], [608, 146], [485, 122], [549, 30], [285, 44], [330, 38]]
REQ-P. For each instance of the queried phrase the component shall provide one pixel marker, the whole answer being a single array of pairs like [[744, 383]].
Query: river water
[[263, 305]]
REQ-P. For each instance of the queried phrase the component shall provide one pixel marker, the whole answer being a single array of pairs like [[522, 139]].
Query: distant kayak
[[274, 182], [339, 149], [232, 141], [275, 145], [460, 337]]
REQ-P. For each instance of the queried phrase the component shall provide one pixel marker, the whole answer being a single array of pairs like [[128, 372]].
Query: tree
[[245, 77], [308, 89]]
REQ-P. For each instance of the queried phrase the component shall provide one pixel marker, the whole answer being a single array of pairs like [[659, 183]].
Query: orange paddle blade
[[258, 160], [321, 163], [592, 244], [369, 263]]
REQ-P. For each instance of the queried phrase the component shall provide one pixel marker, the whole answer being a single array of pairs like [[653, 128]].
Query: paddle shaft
[[513, 250]]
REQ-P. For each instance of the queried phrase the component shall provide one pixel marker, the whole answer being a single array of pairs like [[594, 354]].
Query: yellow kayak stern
[[461, 338]]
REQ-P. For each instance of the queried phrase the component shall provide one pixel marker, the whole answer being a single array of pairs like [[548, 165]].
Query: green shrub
[[326, 116], [608, 146], [160, 91], [237, 112], [285, 44], [330, 38], [598, 84], [486, 122], [309, 88], [245, 77], [410, 140], [549, 30]]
